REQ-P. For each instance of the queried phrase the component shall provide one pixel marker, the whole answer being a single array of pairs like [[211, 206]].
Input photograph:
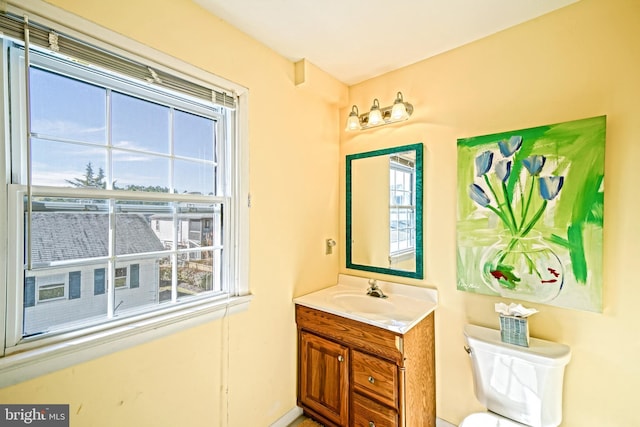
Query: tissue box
[[514, 330]]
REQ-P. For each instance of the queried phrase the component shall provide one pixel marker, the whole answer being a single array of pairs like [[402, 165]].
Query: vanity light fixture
[[377, 116]]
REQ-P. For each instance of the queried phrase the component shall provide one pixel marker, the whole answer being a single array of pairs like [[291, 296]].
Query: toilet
[[520, 386]]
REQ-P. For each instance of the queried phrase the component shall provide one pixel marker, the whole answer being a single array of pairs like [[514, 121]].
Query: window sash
[[15, 339], [222, 156]]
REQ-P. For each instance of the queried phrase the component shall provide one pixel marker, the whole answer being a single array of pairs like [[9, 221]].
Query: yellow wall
[[181, 380], [581, 61]]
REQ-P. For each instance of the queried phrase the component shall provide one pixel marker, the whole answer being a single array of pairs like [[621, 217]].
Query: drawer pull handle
[[372, 424], [372, 380], [340, 358]]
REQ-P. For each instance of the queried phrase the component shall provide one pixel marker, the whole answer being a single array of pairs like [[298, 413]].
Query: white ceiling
[[354, 40]]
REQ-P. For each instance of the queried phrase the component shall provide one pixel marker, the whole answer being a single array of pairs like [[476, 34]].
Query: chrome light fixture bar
[[377, 116]]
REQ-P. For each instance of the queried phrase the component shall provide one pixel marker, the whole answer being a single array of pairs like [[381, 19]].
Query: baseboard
[[288, 418], [295, 412]]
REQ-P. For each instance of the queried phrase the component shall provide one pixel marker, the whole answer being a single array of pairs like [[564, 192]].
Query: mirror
[[384, 211]]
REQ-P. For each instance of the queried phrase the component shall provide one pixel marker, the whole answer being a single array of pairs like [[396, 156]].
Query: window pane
[[48, 292], [140, 172], [66, 229], [402, 229], [193, 136], [67, 108], [55, 310], [67, 165], [194, 177], [147, 293], [142, 228], [139, 124], [196, 273], [199, 225]]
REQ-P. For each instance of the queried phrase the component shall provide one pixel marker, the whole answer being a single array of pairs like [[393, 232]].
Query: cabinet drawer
[[375, 377], [367, 413], [375, 340]]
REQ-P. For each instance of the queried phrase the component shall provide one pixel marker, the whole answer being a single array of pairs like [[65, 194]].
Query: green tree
[[93, 180], [90, 179]]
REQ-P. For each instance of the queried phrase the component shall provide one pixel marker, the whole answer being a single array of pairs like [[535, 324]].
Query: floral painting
[[530, 214]]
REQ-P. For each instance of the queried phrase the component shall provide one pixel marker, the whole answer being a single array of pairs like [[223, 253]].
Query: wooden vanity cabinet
[[355, 374]]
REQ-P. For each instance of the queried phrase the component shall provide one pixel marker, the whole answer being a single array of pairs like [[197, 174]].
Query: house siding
[[89, 304]]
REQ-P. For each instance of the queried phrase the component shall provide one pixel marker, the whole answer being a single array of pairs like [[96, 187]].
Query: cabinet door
[[324, 370]]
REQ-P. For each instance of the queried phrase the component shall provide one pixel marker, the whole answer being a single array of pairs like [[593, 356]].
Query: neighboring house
[[195, 230], [63, 295]]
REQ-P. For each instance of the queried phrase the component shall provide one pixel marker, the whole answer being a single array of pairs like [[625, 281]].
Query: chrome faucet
[[374, 290]]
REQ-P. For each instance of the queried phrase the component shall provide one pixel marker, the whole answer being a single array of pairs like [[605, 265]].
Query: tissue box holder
[[514, 330]]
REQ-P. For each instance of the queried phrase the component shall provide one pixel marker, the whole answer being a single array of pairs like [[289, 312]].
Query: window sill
[[402, 256], [28, 364]]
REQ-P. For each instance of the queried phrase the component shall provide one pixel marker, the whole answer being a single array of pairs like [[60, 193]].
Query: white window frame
[[40, 356]]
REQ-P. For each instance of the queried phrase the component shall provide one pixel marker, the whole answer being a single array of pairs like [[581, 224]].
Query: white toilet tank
[[520, 383]]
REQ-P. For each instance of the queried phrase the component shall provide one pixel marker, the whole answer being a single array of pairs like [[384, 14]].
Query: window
[[402, 207], [52, 287], [121, 277], [124, 193], [50, 292]]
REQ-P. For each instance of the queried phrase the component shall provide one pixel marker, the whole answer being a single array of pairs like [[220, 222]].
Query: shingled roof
[[58, 236]]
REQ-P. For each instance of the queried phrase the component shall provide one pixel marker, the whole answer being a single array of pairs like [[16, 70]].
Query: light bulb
[[399, 110], [375, 115], [353, 121]]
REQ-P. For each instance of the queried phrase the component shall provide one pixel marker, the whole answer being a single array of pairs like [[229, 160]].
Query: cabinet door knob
[[372, 424], [340, 358], [372, 380]]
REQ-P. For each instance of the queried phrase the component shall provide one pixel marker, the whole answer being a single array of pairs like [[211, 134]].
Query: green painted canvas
[[530, 214]]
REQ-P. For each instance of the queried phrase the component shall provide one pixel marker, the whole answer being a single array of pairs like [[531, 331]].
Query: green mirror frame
[[419, 261]]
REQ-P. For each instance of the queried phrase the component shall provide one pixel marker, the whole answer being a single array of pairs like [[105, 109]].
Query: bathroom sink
[[363, 303], [403, 308]]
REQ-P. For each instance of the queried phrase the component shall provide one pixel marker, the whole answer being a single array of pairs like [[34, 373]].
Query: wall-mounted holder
[[329, 244]]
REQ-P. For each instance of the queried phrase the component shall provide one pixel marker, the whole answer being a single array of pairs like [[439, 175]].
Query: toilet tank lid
[[541, 351]]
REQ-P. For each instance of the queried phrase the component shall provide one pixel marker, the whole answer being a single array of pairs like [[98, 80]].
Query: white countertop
[[404, 307]]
